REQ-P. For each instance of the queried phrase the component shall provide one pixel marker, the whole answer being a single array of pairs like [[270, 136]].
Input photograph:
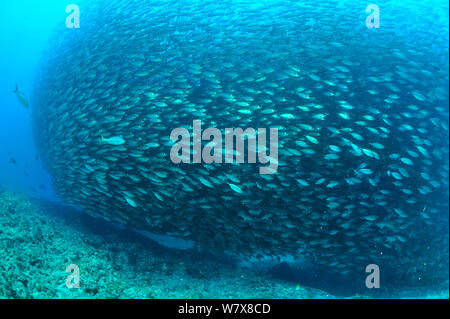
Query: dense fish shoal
[[362, 116]]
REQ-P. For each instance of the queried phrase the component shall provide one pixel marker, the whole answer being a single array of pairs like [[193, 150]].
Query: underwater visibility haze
[[117, 125]]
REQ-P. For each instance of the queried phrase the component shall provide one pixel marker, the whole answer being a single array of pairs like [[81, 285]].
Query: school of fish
[[362, 115]]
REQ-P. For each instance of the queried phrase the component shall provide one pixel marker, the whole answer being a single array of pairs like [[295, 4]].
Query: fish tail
[[17, 89]]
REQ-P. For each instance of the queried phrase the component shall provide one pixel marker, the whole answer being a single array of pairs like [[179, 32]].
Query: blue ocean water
[[27, 60], [26, 27]]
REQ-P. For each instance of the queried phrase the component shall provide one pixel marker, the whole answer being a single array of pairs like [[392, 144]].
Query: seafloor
[[38, 240]]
